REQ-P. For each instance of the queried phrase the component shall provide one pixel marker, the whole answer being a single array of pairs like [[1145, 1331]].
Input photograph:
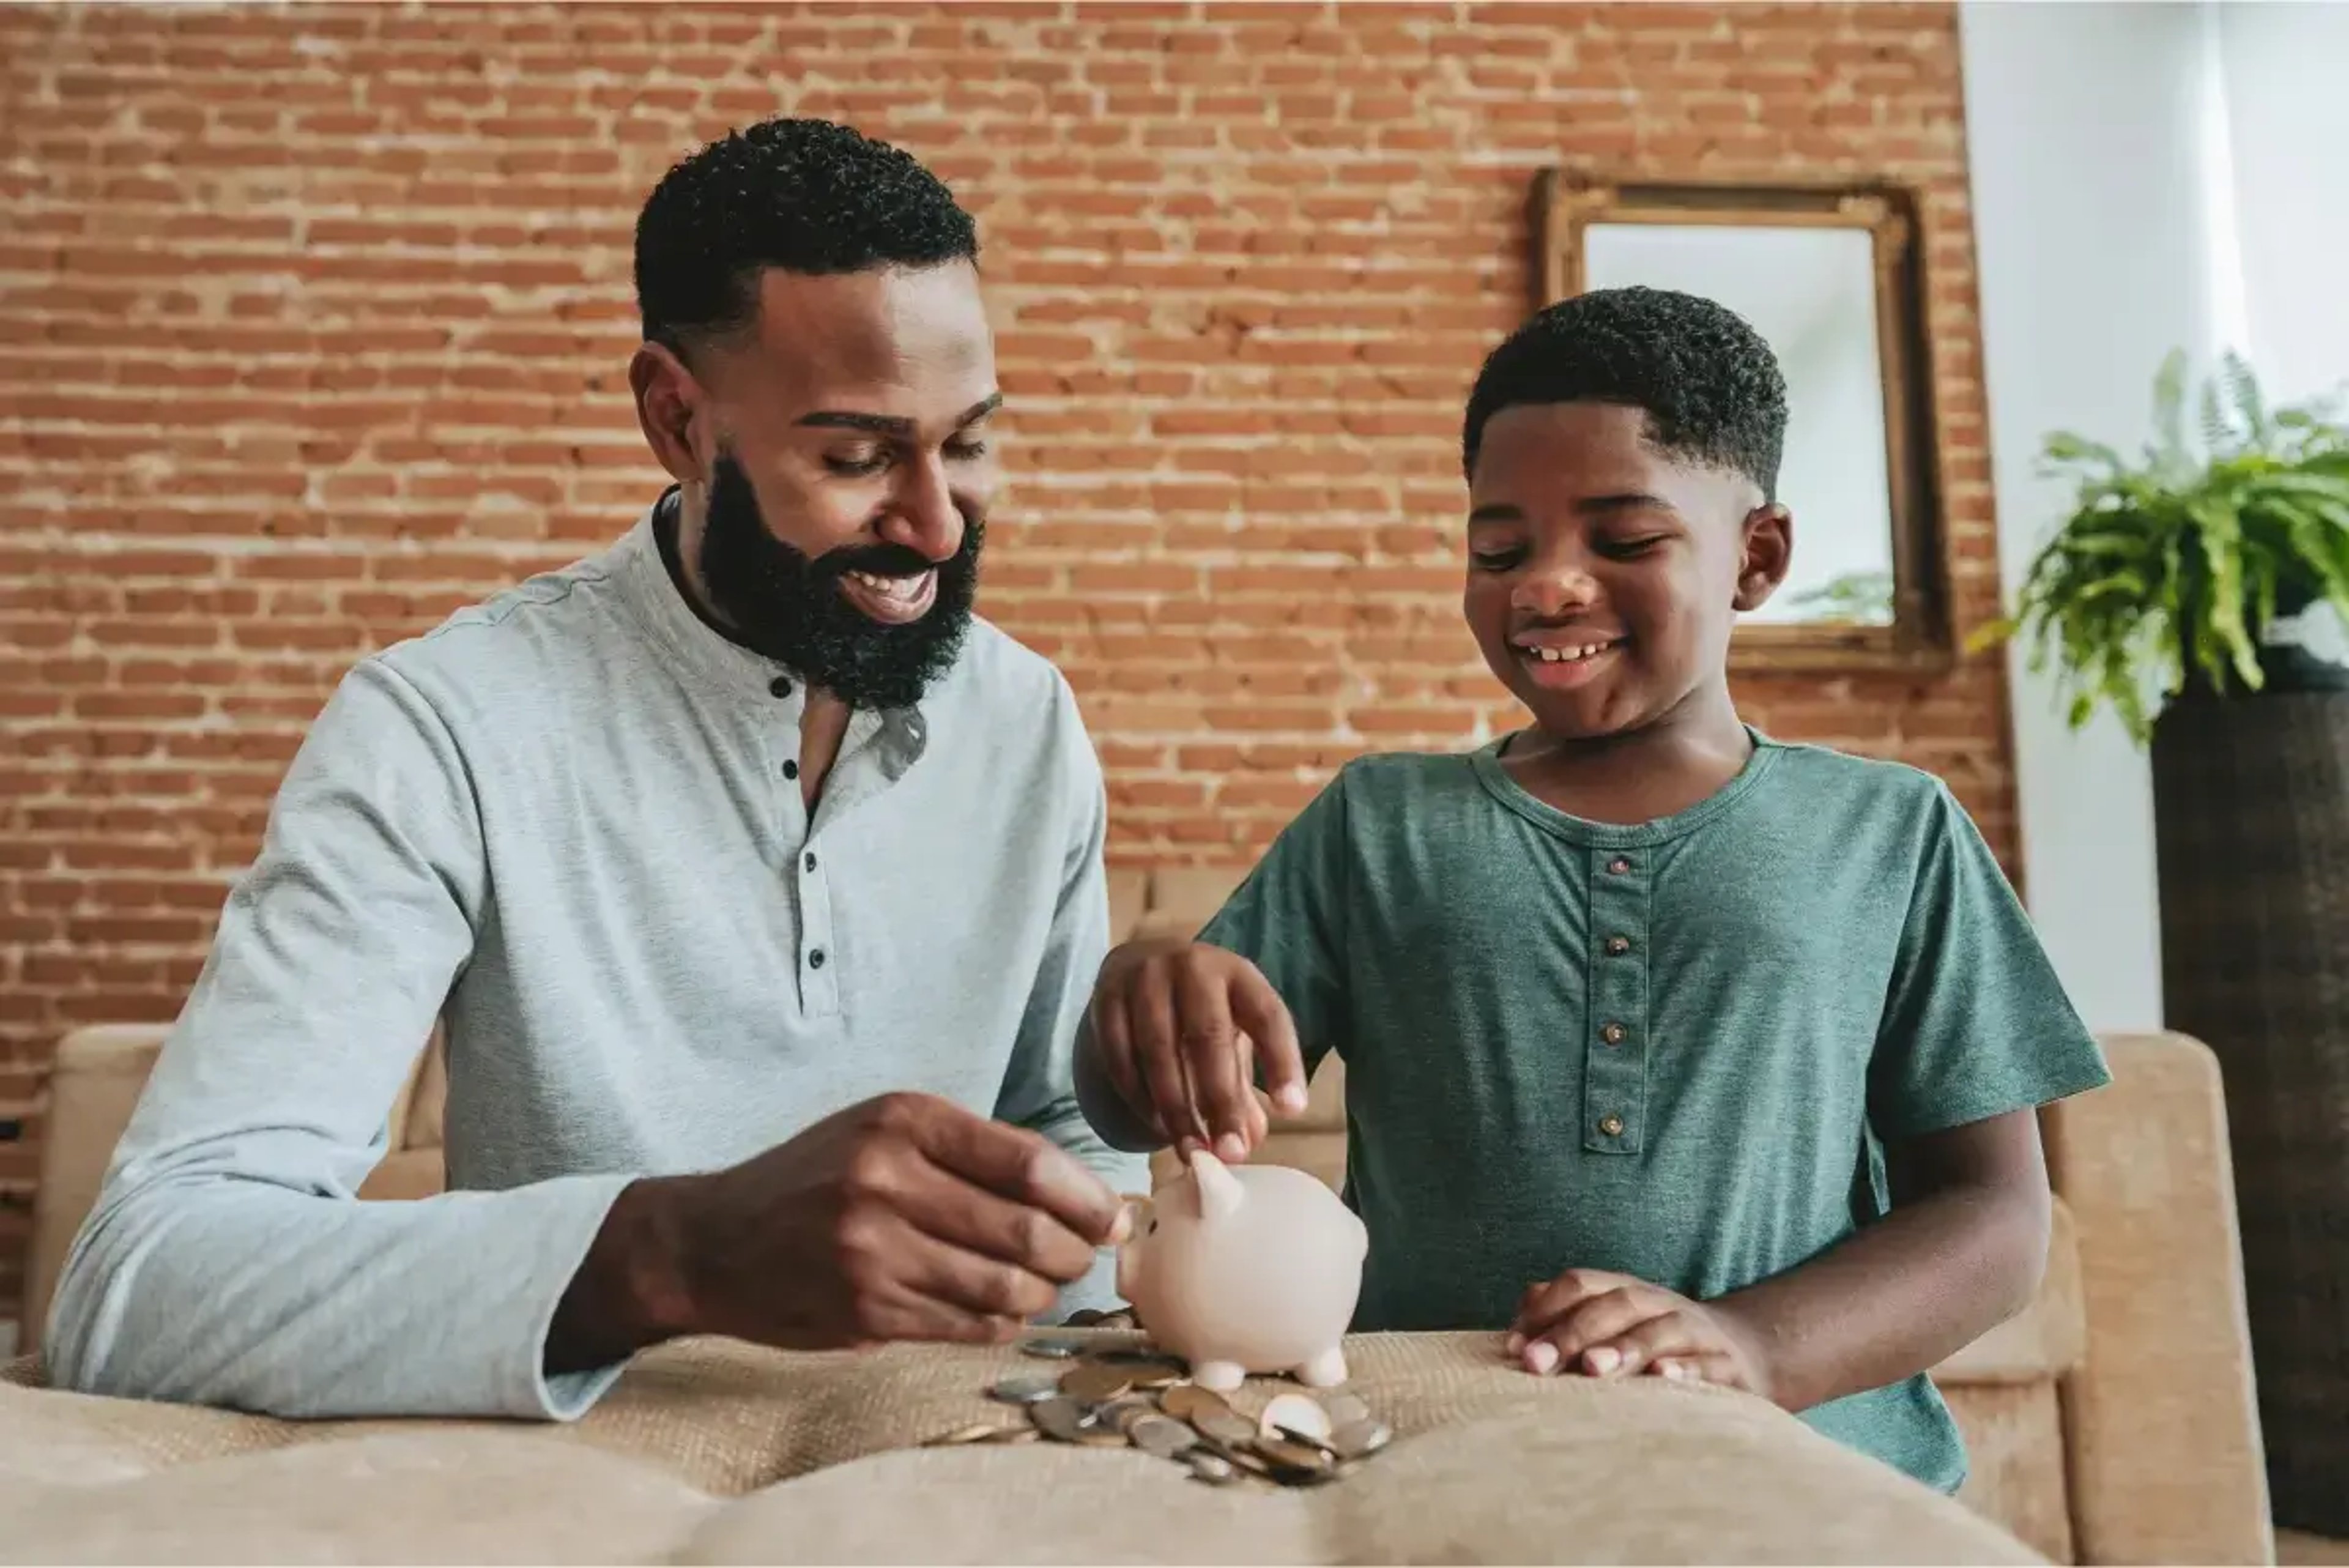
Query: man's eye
[[1499, 560], [856, 464]]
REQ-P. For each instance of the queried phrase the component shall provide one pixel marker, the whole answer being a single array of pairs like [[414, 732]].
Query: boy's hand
[[1180, 1028], [1612, 1325]]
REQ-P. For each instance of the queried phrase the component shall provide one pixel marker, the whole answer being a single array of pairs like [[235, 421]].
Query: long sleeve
[[227, 1259], [1040, 1090]]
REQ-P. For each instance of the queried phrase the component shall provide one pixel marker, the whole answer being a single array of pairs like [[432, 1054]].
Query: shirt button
[[1611, 1126], [1619, 945], [1612, 1034], [815, 958], [811, 860], [781, 686], [1619, 865], [790, 770]]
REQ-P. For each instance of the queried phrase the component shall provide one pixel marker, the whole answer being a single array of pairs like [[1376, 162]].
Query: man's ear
[[1768, 551], [668, 399]]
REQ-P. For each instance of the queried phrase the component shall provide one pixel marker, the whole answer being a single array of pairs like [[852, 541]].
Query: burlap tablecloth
[[710, 1451]]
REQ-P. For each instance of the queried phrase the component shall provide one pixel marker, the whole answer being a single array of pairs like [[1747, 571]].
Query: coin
[[1188, 1402], [1050, 1347], [1061, 1418], [1095, 1382], [1287, 1455], [977, 1432], [1344, 1408], [1084, 1317], [1296, 1415], [1025, 1387], [1122, 1414], [1226, 1425], [1162, 1435], [1099, 1437], [1359, 1440], [1156, 1374], [1211, 1468]]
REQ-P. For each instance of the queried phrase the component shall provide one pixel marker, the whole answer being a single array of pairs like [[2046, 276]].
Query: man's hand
[[1612, 1325], [1179, 1029], [902, 1218]]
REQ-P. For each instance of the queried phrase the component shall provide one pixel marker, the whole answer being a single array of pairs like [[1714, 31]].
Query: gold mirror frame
[[1920, 637]]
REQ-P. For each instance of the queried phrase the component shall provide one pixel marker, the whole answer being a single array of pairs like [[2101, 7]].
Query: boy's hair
[[1711, 388], [803, 195]]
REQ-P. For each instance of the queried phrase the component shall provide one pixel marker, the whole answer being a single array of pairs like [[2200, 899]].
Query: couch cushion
[[1489, 1465]]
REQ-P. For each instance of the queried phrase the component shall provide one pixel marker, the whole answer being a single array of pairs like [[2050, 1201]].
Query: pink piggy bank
[[1247, 1269]]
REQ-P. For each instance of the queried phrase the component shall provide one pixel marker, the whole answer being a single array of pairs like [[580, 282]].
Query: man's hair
[[1711, 388], [803, 195]]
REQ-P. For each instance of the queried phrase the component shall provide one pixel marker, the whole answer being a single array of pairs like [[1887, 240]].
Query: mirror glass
[[1810, 291]]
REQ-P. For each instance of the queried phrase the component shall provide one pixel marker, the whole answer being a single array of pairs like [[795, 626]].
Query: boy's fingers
[[1114, 1047], [1150, 1016], [1545, 1303], [1596, 1321], [1632, 1352], [1212, 1055], [1258, 1010], [1697, 1366]]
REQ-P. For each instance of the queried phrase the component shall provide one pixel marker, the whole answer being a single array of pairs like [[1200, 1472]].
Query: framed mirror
[[1831, 277]]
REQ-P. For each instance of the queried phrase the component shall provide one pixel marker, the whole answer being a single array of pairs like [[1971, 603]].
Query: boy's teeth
[[1567, 655]]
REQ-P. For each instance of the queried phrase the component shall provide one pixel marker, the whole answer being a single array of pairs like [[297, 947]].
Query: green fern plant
[[2171, 569]]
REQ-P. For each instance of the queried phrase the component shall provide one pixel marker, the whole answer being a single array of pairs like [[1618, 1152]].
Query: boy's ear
[[1769, 551]]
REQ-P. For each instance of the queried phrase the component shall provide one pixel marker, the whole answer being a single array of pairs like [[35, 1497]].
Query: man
[[757, 884]]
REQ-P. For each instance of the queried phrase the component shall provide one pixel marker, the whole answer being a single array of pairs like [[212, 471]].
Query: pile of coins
[[1121, 1395]]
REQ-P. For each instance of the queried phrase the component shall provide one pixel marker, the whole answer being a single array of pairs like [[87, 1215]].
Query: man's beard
[[788, 606]]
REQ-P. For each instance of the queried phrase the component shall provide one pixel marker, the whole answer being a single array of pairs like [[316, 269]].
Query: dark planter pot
[[2251, 827]]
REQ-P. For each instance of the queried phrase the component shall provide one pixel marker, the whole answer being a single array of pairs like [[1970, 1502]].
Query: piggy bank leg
[[1219, 1376], [1326, 1370]]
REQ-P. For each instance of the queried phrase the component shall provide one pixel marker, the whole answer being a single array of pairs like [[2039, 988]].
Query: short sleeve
[[1976, 1022], [1289, 919]]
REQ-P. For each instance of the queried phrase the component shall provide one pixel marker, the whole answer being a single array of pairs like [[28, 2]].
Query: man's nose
[[923, 514]]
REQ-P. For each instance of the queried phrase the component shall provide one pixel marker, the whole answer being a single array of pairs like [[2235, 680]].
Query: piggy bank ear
[[1219, 1190]]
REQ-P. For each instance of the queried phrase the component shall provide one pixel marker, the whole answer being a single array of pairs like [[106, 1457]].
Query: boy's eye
[[964, 448], [1497, 560], [1623, 549]]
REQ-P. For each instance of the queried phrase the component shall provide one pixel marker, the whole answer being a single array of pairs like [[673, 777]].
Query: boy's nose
[[1553, 594]]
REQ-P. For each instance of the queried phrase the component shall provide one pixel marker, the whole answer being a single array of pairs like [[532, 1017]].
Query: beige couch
[[2113, 1422]]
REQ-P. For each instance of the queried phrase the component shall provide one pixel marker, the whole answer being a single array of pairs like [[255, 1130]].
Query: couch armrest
[[2160, 1419], [92, 1089]]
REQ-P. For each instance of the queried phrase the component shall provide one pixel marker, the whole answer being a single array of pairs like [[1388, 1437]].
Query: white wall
[[2082, 132], [2286, 71], [2146, 176]]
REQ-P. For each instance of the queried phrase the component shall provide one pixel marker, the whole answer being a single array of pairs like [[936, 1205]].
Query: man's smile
[[892, 600]]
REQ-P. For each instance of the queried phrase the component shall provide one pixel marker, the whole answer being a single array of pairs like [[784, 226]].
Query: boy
[[1670, 1048]]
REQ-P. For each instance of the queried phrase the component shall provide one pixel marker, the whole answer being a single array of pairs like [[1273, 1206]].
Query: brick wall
[[313, 323]]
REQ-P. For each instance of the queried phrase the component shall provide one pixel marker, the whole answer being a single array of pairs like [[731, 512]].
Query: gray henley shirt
[[565, 822]]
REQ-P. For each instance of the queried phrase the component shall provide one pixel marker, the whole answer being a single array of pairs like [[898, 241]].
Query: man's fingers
[[1150, 1022], [1016, 1164], [1258, 1009], [949, 1210], [970, 1283], [1210, 1056]]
